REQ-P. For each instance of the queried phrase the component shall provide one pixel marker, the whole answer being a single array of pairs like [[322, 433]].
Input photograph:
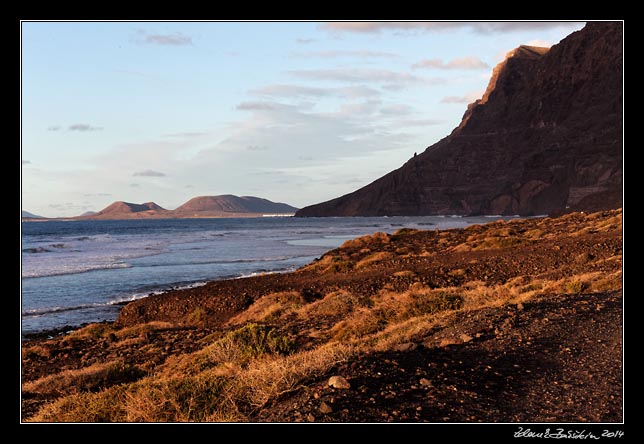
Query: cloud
[[459, 63], [54, 128], [174, 39], [467, 98], [69, 206], [149, 173], [97, 194], [256, 148], [361, 109], [539, 42], [420, 122], [185, 134], [26, 162], [304, 41], [394, 80], [83, 127], [135, 185], [339, 53], [255, 106], [396, 110], [284, 90], [478, 27]]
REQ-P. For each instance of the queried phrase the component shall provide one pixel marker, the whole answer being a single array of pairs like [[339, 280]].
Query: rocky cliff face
[[546, 137]]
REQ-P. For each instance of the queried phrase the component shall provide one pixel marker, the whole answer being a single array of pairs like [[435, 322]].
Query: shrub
[[250, 341], [197, 316], [421, 303], [575, 287]]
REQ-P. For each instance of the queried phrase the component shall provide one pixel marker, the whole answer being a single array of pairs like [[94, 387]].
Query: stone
[[465, 337], [449, 341], [425, 382], [338, 382], [406, 347], [325, 408]]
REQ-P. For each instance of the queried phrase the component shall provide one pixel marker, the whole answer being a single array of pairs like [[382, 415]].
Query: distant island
[[223, 206], [27, 215]]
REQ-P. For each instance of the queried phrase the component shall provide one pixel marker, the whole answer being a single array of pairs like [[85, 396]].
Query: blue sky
[[295, 112]]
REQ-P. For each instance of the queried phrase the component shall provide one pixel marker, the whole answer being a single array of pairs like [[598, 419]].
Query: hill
[[229, 204], [127, 210], [546, 137], [27, 215]]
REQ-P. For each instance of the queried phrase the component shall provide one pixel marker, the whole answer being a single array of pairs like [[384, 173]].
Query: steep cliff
[[546, 137]]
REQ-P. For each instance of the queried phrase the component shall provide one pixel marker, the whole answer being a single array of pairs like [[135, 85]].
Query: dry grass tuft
[[335, 304], [90, 378], [373, 258], [270, 308]]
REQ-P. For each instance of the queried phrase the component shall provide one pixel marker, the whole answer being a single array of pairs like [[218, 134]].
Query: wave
[[220, 262], [37, 312], [73, 270], [120, 300]]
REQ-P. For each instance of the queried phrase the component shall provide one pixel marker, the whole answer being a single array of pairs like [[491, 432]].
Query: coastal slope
[[546, 137], [517, 321]]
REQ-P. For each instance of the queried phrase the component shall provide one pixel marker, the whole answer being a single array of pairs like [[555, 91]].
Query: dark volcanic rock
[[546, 137]]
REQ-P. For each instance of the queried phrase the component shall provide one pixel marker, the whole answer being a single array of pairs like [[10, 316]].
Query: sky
[[294, 112]]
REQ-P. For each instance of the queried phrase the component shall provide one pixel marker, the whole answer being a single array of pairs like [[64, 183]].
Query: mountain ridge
[[545, 138]]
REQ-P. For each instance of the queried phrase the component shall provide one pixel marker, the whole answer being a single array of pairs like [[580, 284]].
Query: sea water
[[75, 272]]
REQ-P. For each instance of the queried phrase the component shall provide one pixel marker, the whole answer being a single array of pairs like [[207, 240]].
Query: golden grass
[[85, 379], [376, 238], [269, 308], [336, 303], [374, 258], [203, 396]]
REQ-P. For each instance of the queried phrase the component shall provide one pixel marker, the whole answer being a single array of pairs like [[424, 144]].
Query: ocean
[[76, 272]]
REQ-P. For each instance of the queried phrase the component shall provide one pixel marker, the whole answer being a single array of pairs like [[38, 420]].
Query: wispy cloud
[[256, 148], [458, 63], [359, 75], [149, 173], [420, 122], [255, 106], [26, 162], [539, 42], [186, 134], [172, 39], [97, 194], [83, 127], [304, 41], [479, 27], [285, 90], [54, 128], [396, 110], [467, 98], [344, 53]]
